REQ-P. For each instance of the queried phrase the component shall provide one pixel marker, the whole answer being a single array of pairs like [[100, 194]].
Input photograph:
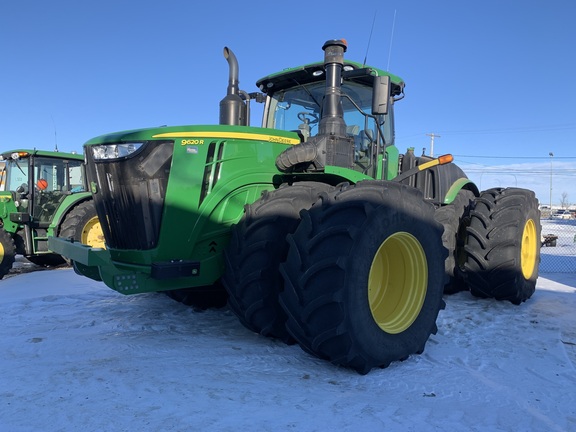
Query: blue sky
[[494, 79]]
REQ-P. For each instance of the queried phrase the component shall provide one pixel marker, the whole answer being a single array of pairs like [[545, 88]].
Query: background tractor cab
[[40, 183], [41, 189]]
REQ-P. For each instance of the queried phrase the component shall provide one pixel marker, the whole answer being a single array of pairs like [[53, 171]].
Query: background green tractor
[[314, 226], [44, 193]]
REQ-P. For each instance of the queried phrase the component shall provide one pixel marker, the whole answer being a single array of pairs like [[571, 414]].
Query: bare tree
[[564, 200]]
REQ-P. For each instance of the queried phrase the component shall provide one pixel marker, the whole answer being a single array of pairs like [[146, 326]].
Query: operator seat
[[366, 138], [354, 132]]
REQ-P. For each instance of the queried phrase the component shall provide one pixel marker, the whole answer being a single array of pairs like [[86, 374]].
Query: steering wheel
[[308, 118]]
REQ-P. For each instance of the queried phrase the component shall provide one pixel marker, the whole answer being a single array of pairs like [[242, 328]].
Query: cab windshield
[[16, 173], [299, 109], [296, 107], [48, 174]]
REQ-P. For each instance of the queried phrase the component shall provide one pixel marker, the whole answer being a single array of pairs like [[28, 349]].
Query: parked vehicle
[[561, 214]]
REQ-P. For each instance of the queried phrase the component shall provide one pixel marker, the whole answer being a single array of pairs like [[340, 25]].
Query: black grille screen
[[130, 194]]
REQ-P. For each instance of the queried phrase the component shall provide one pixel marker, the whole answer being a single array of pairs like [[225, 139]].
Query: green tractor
[[44, 194], [314, 226]]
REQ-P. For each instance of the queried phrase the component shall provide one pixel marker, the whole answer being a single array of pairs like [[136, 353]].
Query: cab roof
[[314, 72], [24, 153]]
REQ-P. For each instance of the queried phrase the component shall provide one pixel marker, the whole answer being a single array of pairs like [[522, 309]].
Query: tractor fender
[[7, 206], [457, 186]]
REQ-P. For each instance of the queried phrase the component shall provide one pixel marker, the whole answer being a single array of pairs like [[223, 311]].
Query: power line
[[511, 130], [515, 171], [519, 129], [513, 157]]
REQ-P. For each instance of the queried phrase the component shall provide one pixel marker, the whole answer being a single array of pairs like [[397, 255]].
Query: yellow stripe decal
[[232, 135], [429, 164]]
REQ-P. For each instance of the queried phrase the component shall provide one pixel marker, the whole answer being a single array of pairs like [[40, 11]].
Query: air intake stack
[[332, 121], [332, 146]]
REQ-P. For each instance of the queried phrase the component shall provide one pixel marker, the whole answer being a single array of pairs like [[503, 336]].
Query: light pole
[[551, 156], [432, 136]]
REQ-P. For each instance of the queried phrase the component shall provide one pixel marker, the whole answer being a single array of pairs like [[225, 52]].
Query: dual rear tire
[[503, 245], [355, 274], [364, 276], [257, 247], [493, 243]]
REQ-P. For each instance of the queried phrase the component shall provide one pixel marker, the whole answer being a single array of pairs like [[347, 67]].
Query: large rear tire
[[503, 245], [7, 252], [257, 247], [82, 225], [455, 217], [364, 275]]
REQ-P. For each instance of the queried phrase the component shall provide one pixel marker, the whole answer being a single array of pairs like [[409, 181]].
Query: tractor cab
[[38, 183], [296, 102]]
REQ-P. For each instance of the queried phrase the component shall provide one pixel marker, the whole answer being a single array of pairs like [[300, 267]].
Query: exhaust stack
[[233, 109]]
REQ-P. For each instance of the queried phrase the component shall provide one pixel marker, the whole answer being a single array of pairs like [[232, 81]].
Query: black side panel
[[436, 181]]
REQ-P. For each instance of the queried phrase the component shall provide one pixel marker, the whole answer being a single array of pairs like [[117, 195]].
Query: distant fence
[[559, 256]]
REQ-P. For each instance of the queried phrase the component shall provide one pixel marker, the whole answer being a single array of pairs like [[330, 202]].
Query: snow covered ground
[[77, 356]]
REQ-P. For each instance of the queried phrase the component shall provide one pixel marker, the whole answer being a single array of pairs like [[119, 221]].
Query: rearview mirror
[[380, 95]]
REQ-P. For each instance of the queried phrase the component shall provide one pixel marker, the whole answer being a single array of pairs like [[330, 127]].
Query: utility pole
[[551, 156], [432, 136]]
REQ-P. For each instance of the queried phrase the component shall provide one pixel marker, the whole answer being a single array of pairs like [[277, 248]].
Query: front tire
[[503, 245], [257, 247], [7, 252], [364, 275]]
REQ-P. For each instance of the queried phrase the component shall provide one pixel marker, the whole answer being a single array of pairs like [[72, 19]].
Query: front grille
[[130, 194]]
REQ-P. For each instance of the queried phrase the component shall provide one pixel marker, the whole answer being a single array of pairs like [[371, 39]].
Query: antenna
[[391, 39], [55, 136], [370, 38]]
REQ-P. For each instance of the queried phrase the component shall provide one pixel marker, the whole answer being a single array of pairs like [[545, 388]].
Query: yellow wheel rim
[[529, 249], [92, 234], [397, 282], [1, 252]]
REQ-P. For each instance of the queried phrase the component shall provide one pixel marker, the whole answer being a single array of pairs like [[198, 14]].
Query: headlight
[[114, 151]]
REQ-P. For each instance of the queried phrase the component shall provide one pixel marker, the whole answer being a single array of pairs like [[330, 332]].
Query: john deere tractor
[[44, 194], [314, 226]]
